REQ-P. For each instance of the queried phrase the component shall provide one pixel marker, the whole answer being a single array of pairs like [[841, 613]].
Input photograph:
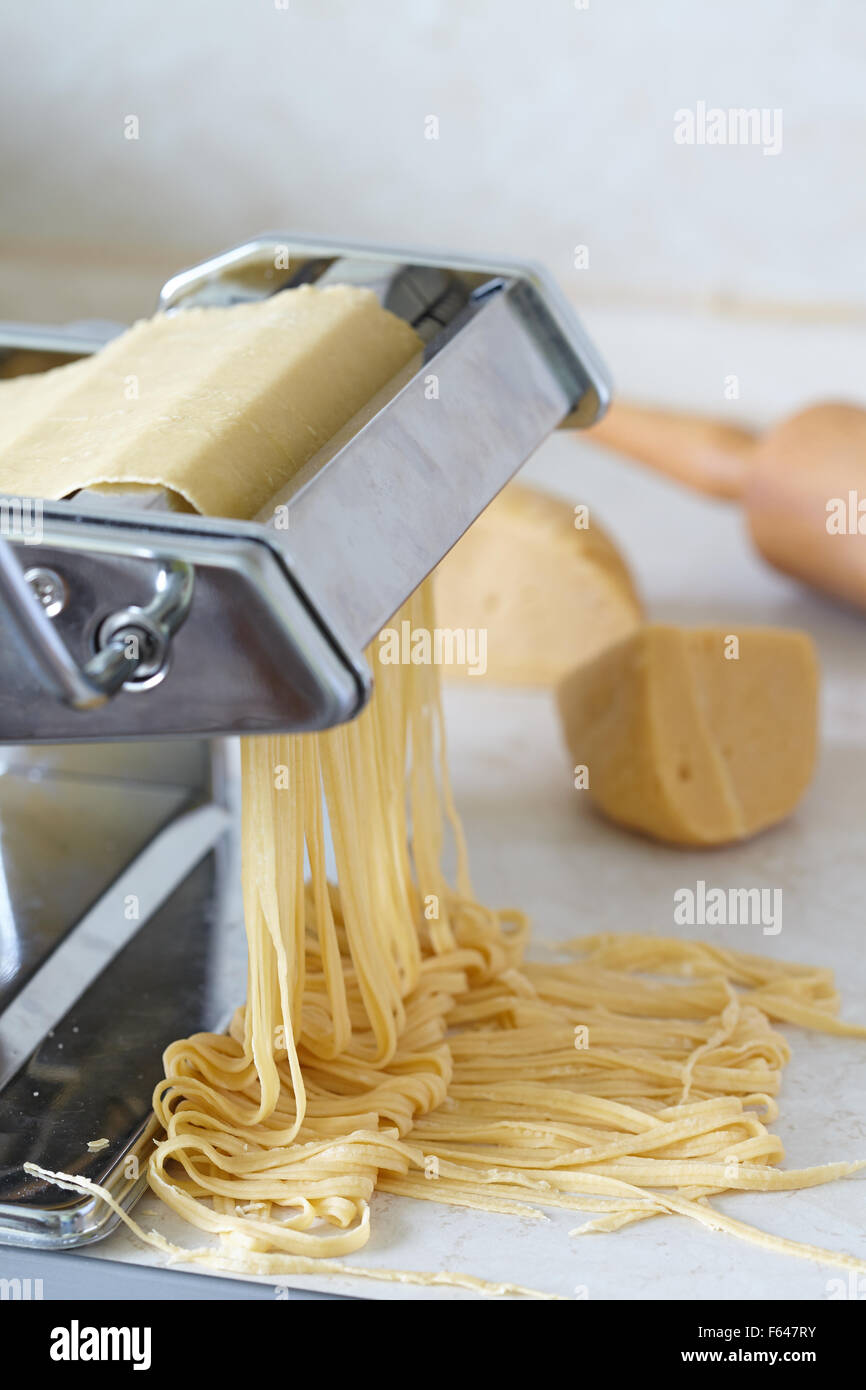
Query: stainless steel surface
[[63, 842], [119, 918], [135, 642], [278, 620], [26, 618], [132, 644], [52, 1276], [403, 490], [252, 655], [92, 943], [508, 363], [77, 339], [273, 260], [179, 763], [49, 588]]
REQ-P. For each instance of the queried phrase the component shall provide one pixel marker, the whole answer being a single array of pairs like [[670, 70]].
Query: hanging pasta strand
[[634, 1079]]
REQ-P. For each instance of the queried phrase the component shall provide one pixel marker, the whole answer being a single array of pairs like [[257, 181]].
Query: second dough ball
[[696, 736], [547, 593]]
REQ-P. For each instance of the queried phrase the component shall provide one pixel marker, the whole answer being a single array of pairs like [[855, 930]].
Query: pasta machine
[[118, 912]]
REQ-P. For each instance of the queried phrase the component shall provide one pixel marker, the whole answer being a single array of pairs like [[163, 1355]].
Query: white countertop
[[534, 843]]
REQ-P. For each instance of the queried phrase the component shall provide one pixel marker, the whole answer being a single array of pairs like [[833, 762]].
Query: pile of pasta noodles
[[395, 1039], [394, 1036]]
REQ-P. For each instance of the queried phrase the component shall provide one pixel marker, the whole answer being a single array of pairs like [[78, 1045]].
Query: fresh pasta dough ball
[[544, 592], [696, 736]]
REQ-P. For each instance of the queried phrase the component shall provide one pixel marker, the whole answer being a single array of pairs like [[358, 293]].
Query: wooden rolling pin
[[802, 483]]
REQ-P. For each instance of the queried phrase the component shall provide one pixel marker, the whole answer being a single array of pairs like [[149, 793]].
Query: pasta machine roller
[[293, 615], [119, 890]]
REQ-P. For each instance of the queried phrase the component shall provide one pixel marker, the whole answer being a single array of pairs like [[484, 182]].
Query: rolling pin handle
[[710, 456]]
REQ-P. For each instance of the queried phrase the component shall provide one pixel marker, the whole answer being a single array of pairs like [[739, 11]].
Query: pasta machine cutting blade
[[505, 361]]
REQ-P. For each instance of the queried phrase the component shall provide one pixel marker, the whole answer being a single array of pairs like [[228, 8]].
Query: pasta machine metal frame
[[505, 363], [119, 904]]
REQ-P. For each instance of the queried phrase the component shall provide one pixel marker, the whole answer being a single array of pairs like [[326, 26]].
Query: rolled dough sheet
[[220, 406]]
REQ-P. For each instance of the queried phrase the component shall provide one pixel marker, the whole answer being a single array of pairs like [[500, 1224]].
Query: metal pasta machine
[[118, 906]]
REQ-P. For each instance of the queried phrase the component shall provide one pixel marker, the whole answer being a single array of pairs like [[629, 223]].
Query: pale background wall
[[556, 128]]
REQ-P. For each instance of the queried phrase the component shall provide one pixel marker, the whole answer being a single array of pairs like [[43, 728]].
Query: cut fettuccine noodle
[[394, 1036]]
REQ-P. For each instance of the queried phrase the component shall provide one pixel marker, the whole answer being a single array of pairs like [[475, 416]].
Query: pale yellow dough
[[221, 406], [548, 595], [689, 743]]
